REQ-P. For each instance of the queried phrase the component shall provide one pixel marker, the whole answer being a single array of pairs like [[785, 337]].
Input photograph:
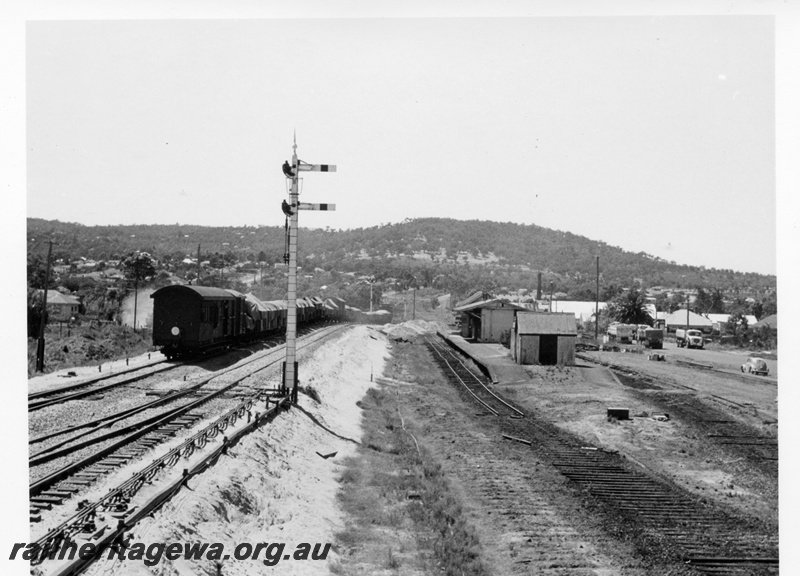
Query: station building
[[544, 338]]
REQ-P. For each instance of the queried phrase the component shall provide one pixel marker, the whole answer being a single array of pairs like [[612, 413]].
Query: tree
[[37, 268], [137, 266], [630, 308], [610, 292], [34, 312], [737, 323], [702, 303], [717, 302]]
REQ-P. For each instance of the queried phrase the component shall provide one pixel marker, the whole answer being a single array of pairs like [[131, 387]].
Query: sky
[[664, 127], [652, 133]]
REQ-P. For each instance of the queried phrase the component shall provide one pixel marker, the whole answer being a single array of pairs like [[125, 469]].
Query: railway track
[[62, 394], [460, 374], [668, 520], [139, 438], [105, 521], [733, 436]]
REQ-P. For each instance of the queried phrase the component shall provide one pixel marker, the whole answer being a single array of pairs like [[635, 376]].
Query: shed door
[[548, 349]]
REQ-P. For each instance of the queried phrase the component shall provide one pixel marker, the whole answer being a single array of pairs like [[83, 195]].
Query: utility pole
[[414, 309], [43, 321], [687, 312], [597, 301], [551, 296], [198, 265], [292, 172], [135, 297]]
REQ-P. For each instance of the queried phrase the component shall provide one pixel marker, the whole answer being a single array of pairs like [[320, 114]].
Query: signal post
[[290, 370]]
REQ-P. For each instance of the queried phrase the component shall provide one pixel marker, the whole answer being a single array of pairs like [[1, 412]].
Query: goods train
[[195, 319]]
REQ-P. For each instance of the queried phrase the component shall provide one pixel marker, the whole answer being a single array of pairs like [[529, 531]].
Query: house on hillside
[[61, 307], [678, 319], [488, 320], [544, 338]]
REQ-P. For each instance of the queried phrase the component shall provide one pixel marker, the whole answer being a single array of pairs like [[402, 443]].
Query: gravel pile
[[408, 330]]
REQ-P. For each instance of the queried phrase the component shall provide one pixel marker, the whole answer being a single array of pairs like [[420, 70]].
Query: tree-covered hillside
[[450, 254]]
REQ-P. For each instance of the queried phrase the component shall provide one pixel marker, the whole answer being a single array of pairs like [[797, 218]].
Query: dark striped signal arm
[[318, 167], [307, 206]]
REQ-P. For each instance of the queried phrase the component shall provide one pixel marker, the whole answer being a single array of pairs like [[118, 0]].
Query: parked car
[[755, 366]]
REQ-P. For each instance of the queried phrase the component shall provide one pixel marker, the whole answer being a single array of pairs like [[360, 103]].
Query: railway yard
[[536, 476]]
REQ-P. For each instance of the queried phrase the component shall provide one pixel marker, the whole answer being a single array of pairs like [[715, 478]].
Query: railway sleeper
[[619, 478], [619, 485], [63, 492], [51, 499], [566, 467], [625, 496], [77, 482]]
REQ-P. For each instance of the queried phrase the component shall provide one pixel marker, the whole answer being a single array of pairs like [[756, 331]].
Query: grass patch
[[311, 392], [403, 515], [87, 344]]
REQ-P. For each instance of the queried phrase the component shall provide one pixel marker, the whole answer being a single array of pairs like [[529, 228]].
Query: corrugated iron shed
[[546, 323]]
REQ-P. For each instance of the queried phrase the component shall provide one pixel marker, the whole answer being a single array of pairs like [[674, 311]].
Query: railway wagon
[[193, 319], [306, 310], [278, 313], [333, 310], [259, 318], [197, 319]]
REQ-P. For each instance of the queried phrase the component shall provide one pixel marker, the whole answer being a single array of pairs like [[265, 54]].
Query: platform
[[493, 358]]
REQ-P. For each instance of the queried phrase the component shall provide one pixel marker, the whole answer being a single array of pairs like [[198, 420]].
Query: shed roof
[[678, 318], [474, 297], [725, 317], [546, 323], [492, 304], [771, 321]]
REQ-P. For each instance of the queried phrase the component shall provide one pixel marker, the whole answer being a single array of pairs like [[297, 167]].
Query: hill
[[453, 255]]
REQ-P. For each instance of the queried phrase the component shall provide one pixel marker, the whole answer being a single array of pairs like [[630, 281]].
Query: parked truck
[[620, 332], [651, 337], [689, 338]]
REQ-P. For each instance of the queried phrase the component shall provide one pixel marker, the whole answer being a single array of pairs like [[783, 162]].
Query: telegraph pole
[[291, 210], [687, 312], [597, 301]]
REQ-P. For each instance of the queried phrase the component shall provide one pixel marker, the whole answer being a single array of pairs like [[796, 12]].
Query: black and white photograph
[[401, 290]]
